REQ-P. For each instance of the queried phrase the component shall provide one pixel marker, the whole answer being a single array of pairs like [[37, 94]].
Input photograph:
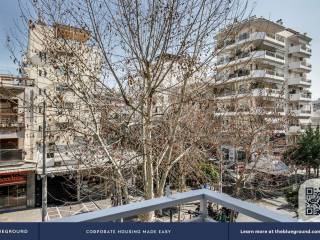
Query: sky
[[300, 15]]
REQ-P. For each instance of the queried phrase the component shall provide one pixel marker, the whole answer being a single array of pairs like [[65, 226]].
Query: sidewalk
[[25, 215]]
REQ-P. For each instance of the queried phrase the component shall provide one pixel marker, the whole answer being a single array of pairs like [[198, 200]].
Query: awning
[[23, 168]]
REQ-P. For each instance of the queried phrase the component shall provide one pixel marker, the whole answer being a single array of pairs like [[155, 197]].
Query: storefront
[[13, 190]]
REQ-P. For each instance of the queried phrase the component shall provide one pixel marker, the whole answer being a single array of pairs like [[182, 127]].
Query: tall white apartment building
[[262, 67]]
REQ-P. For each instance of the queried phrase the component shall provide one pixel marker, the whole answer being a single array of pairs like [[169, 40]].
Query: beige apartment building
[[17, 174], [262, 68], [62, 65]]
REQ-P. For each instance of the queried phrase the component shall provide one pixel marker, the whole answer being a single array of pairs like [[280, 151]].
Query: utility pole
[[44, 166]]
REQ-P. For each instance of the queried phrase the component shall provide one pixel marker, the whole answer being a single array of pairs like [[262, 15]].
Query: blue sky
[[301, 15]]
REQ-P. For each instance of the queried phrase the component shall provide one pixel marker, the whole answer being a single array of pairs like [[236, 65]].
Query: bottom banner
[[159, 231]]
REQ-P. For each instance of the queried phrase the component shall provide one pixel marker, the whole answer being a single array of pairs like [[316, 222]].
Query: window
[[241, 156]]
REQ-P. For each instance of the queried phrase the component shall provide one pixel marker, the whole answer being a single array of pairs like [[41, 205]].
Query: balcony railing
[[10, 155], [301, 48], [245, 56], [11, 120], [301, 112], [299, 81], [306, 64], [300, 96], [15, 81], [275, 37], [251, 37], [252, 74], [300, 65], [203, 196], [274, 55], [305, 111], [268, 92], [271, 109]]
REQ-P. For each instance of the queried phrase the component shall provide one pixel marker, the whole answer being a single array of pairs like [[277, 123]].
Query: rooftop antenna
[[279, 21]]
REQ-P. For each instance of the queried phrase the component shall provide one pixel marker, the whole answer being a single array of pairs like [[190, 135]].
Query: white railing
[[252, 37], [301, 112], [268, 92], [8, 80], [299, 80], [202, 195], [300, 64], [300, 49], [300, 96], [246, 56]]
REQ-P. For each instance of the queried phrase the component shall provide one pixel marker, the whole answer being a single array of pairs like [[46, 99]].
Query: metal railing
[[249, 36], [202, 195], [305, 48], [274, 54], [306, 95], [11, 120], [306, 64], [11, 81], [275, 37]]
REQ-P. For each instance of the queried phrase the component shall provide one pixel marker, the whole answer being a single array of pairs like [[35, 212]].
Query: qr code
[[312, 201]]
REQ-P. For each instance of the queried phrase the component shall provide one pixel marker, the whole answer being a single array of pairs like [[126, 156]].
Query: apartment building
[[17, 174], [59, 58], [262, 68], [315, 118], [316, 105]]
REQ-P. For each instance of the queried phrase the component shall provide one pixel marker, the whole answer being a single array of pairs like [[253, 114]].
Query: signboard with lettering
[[12, 179]]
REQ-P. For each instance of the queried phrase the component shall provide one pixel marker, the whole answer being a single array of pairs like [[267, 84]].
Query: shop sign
[[11, 179]]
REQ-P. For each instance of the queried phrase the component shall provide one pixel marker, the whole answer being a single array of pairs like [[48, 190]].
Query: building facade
[[63, 67], [315, 118], [262, 68], [17, 174]]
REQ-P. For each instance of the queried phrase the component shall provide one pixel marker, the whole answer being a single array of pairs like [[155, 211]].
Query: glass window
[[4, 197], [13, 196]]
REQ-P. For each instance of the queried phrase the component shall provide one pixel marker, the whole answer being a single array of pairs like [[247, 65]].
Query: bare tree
[[139, 72]]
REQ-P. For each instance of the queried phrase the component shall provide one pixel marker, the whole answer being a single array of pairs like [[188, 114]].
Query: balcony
[[11, 120], [269, 74], [243, 57], [300, 97], [273, 56], [8, 133], [275, 38], [300, 81], [270, 110], [268, 92], [257, 92], [249, 37], [203, 196], [10, 156], [15, 82], [301, 113], [300, 66], [300, 50], [231, 111]]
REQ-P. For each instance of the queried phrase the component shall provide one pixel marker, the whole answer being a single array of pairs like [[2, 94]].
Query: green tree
[[307, 151]]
